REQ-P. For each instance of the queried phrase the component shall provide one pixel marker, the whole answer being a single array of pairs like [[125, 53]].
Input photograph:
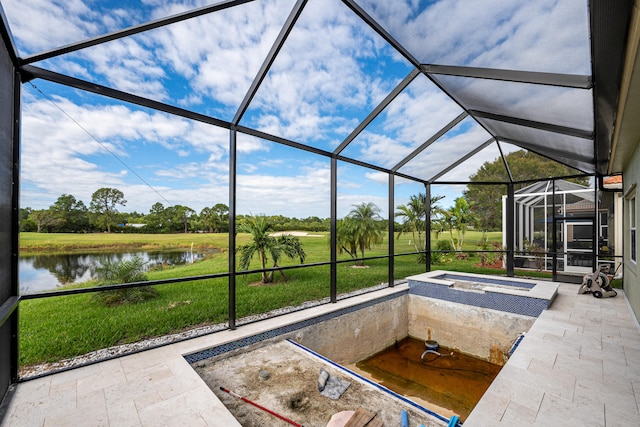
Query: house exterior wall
[[631, 269]]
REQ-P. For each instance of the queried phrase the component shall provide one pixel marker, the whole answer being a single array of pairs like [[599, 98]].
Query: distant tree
[[44, 220], [180, 217], [71, 214], [103, 207], [360, 230], [313, 223], [155, 219], [486, 200], [215, 219], [135, 218], [264, 245], [26, 222]]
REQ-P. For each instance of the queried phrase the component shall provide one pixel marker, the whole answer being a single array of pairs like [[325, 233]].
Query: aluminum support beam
[[430, 141], [504, 161], [385, 102], [15, 225], [510, 231], [463, 159], [29, 72], [271, 56], [550, 79], [391, 229], [232, 226], [427, 224], [565, 130], [554, 237], [333, 292]]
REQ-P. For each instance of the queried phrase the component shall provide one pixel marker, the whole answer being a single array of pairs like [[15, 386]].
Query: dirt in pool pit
[[292, 390]]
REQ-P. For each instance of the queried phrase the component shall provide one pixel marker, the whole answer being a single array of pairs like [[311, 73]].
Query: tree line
[[480, 207], [70, 215]]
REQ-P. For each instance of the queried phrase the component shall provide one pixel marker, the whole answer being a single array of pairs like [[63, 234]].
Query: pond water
[[48, 272]]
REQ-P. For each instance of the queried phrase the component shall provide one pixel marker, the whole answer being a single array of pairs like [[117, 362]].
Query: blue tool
[[405, 419]]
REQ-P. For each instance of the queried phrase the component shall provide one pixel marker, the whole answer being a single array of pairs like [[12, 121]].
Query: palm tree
[[414, 214], [265, 246], [363, 226], [345, 241], [124, 271], [459, 216]]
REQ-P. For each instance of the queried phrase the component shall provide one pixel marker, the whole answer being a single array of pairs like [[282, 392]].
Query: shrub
[[484, 258], [124, 271], [444, 245], [441, 245]]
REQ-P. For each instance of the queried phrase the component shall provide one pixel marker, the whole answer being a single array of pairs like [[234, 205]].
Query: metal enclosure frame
[[608, 31]]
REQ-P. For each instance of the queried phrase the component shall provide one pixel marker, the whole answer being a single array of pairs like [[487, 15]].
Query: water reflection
[[46, 272]]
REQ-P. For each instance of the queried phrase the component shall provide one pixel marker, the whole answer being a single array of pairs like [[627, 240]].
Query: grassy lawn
[[60, 327]]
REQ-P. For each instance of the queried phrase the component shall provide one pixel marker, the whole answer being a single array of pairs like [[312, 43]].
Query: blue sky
[[332, 71]]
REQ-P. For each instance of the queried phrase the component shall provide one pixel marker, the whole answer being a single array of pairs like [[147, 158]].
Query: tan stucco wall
[[480, 332]]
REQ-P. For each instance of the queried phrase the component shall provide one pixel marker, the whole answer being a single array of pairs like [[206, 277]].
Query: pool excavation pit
[[381, 344], [443, 380]]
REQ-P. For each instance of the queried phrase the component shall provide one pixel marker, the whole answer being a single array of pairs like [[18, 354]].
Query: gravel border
[[35, 371]]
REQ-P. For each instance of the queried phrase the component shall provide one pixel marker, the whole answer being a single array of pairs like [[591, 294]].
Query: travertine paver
[[578, 365], [151, 388]]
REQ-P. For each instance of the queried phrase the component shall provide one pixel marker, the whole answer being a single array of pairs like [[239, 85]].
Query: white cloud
[[331, 72], [318, 84], [446, 151], [78, 162], [62, 156], [128, 65], [411, 119], [45, 24], [219, 54], [301, 195], [542, 35]]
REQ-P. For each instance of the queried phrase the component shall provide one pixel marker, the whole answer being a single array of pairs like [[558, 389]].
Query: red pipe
[[226, 390]]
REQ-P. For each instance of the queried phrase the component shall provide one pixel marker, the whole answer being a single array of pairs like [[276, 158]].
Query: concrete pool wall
[[358, 334], [480, 332], [348, 335]]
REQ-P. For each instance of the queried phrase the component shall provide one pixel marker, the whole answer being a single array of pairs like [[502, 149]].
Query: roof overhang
[[627, 125]]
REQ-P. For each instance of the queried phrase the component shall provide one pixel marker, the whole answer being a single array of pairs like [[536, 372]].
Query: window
[[632, 227], [604, 227]]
